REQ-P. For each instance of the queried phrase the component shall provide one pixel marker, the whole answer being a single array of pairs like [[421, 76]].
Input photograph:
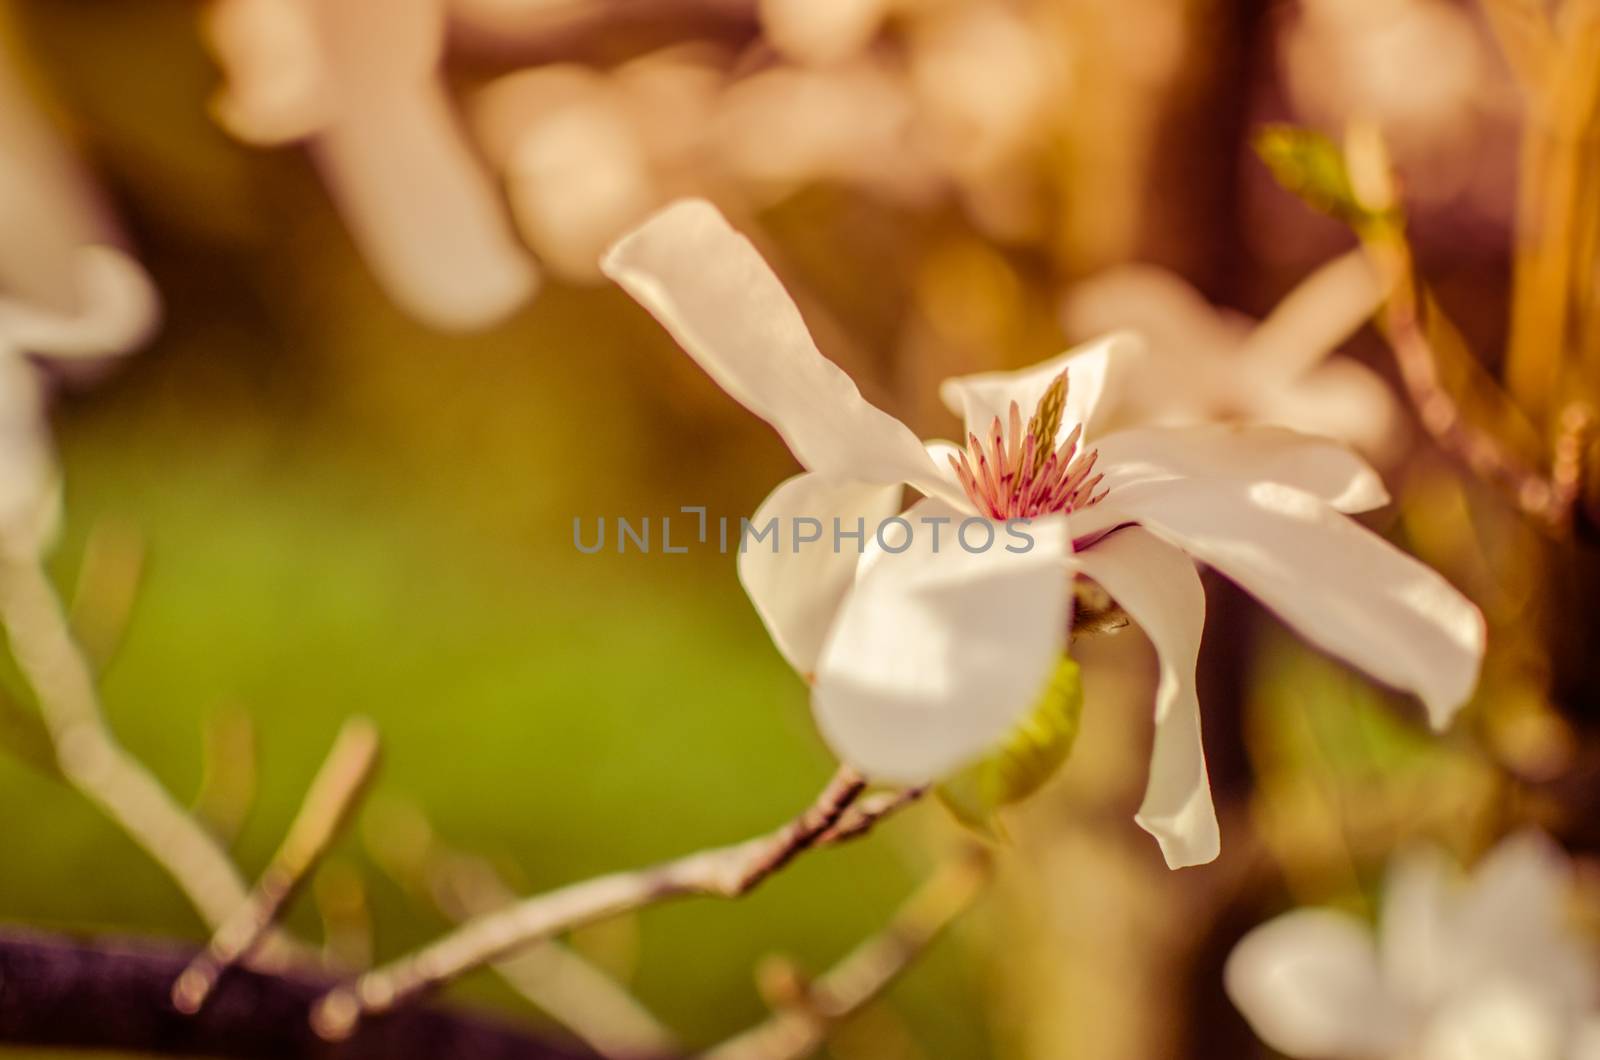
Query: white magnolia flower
[[66, 293], [360, 80], [923, 659], [1485, 969], [1213, 365]]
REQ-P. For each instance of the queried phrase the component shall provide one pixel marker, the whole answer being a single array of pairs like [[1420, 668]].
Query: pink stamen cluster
[[1015, 474]]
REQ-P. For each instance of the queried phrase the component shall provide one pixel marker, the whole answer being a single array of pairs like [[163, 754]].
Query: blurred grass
[[569, 714]]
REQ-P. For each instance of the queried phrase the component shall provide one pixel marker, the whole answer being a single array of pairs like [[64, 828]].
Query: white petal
[[1339, 585], [1322, 312], [1170, 315], [1493, 1020], [797, 586], [938, 652], [1513, 918], [116, 310], [709, 287], [1341, 399], [426, 216], [1095, 372], [1159, 588], [1323, 468], [1309, 986], [1416, 925]]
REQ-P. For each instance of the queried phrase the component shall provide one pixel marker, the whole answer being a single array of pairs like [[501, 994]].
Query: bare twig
[[1546, 499], [865, 815], [725, 872], [328, 804], [798, 1028], [548, 974], [89, 755]]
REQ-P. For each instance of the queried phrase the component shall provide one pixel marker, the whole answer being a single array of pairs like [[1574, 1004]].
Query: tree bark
[[116, 995]]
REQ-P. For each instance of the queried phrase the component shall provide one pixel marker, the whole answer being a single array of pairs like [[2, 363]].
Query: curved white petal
[[1159, 588], [709, 287], [797, 585], [116, 310], [1308, 984], [1341, 399], [1323, 311], [1095, 372], [427, 217], [1339, 585], [1326, 469], [938, 652]]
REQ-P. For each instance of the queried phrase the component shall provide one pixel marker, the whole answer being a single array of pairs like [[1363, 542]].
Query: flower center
[[1020, 474]]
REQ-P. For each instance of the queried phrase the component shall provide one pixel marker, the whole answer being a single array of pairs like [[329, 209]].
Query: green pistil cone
[[1030, 755]]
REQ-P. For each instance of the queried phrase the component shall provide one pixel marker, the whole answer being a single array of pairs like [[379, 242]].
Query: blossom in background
[[1482, 969], [586, 154], [359, 80], [922, 660], [1212, 365], [66, 293]]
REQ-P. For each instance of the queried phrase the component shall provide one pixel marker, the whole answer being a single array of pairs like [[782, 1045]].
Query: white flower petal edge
[[797, 587], [1096, 370], [1323, 468], [937, 653], [710, 288], [1159, 588], [1310, 986], [1416, 928], [117, 309], [1323, 310], [1339, 585]]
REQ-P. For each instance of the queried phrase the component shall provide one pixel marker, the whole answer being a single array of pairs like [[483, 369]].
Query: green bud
[[1030, 755]]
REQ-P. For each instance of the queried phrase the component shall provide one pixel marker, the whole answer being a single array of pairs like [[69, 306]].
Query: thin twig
[[89, 755], [725, 872], [798, 1028], [865, 815], [549, 975], [1543, 498], [329, 801]]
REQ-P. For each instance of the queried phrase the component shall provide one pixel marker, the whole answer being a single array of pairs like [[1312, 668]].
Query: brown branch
[[724, 872], [549, 975], [865, 815], [60, 993]]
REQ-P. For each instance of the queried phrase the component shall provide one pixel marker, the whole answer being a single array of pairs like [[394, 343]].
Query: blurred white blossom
[[921, 660], [1486, 968], [1213, 365], [66, 293], [359, 80], [585, 154]]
